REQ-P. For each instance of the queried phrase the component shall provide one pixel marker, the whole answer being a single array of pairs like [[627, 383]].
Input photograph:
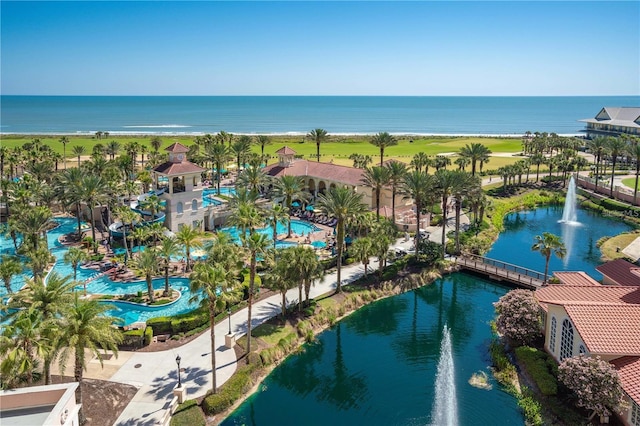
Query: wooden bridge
[[502, 271]]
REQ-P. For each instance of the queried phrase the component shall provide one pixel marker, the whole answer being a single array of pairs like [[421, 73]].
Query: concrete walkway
[[155, 373]]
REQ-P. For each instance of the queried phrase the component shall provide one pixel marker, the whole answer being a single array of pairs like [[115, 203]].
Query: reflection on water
[[363, 372]]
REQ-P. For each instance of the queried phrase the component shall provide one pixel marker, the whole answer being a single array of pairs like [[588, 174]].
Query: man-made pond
[[384, 364], [514, 243]]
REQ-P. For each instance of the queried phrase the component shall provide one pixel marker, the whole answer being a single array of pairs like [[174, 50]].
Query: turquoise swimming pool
[[298, 227]]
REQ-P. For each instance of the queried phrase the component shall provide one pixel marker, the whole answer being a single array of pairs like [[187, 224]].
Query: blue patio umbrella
[[295, 204], [310, 208]]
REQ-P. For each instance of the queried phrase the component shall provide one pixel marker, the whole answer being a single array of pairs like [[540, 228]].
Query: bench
[[161, 337]]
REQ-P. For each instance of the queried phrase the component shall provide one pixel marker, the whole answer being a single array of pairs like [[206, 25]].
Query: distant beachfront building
[[581, 316], [614, 121], [319, 177]]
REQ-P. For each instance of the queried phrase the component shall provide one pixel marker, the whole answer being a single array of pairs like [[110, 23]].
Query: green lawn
[[630, 182], [337, 149]]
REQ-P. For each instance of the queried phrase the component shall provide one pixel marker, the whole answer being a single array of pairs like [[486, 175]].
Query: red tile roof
[[602, 294], [175, 169], [607, 329], [620, 271], [332, 172], [628, 368], [286, 151], [177, 147], [575, 278]]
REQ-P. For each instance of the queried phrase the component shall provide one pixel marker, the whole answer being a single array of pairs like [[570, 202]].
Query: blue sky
[[320, 48]]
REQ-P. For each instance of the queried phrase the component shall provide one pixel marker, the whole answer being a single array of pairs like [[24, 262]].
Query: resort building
[[620, 272], [614, 121], [40, 405], [319, 177], [179, 183], [581, 316]]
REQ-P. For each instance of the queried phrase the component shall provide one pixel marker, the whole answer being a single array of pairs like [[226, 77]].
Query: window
[[194, 205], [566, 344], [635, 414], [582, 350], [552, 335], [179, 207]]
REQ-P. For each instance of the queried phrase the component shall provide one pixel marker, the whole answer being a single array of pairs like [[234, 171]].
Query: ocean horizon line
[[321, 96], [276, 134]]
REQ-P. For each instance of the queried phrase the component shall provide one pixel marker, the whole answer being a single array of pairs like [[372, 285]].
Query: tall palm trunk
[[150, 288], [77, 374], [340, 241], [93, 231], [166, 279], [252, 283], [444, 225], [458, 208], [212, 333]]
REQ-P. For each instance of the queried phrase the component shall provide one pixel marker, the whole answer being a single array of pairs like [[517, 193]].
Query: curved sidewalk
[[155, 373]]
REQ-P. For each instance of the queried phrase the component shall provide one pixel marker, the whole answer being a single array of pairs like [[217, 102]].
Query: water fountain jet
[[445, 407], [570, 212]]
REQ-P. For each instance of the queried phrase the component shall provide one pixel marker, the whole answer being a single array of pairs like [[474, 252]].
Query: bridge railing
[[499, 267]]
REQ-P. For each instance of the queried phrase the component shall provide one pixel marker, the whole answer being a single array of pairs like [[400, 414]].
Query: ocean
[[297, 115]]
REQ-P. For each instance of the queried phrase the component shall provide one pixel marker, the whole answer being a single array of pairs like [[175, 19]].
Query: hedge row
[[179, 323], [541, 367], [137, 338], [231, 391]]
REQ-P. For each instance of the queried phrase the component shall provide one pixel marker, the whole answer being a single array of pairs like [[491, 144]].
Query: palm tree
[[597, 146], [447, 182], [281, 276], [10, 266], [421, 161], [361, 250], [441, 162], [79, 150], [616, 147], [94, 193], [420, 187], [318, 136], [152, 204], [256, 245], [476, 152], [290, 188], [147, 264], [383, 140], [462, 162], [397, 171], [215, 286], [218, 154], [21, 345], [277, 214], [634, 151], [549, 244], [189, 236], [344, 205], [376, 178], [64, 141], [112, 149], [128, 217], [33, 224], [156, 143], [74, 257], [465, 187], [241, 148], [169, 248], [52, 301], [252, 178], [87, 327], [263, 140], [309, 268]]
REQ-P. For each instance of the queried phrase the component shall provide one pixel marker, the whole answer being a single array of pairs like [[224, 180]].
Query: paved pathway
[[155, 373]]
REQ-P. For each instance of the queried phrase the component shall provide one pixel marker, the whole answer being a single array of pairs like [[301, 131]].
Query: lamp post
[[229, 313], [178, 362]]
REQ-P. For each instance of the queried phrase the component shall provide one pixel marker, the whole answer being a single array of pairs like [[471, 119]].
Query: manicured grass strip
[[271, 334], [630, 182], [609, 248]]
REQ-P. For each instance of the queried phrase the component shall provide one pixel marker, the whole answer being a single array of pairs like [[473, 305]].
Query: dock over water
[[501, 271]]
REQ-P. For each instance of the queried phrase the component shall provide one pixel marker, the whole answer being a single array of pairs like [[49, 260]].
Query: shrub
[[531, 409], [595, 383], [537, 365], [188, 414], [132, 338], [230, 392], [518, 316], [148, 335], [161, 325]]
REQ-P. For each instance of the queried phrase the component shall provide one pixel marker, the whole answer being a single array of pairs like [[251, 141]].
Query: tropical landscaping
[[51, 319]]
